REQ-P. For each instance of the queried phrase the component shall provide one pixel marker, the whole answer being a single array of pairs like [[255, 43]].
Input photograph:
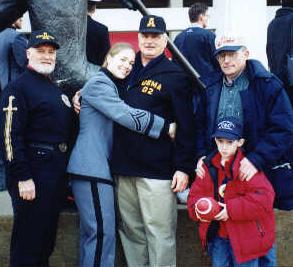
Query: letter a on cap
[[151, 23]]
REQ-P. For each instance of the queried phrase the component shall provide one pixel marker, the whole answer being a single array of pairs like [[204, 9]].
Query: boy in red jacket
[[243, 232]]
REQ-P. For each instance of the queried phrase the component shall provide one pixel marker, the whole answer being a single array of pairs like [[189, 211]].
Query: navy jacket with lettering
[[163, 89]]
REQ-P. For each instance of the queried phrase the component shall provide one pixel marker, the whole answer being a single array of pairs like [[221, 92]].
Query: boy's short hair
[[229, 128]]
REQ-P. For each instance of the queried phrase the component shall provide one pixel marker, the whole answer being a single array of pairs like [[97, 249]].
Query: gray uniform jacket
[[100, 106]]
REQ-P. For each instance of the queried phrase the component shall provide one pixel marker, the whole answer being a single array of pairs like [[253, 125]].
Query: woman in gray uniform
[[92, 183]]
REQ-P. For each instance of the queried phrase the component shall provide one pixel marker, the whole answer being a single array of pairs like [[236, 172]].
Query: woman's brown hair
[[116, 49]]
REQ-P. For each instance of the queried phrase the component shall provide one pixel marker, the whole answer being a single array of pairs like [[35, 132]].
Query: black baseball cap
[[152, 24], [38, 38]]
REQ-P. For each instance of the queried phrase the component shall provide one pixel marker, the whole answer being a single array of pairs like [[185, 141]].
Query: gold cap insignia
[[151, 23], [45, 36]]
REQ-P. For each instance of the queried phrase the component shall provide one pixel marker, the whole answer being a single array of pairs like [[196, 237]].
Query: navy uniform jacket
[[33, 110], [163, 89], [97, 41], [198, 46], [279, 41]]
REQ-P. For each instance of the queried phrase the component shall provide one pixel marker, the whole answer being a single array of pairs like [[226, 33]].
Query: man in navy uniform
[[36, 118], [151, 171], [97, 37]]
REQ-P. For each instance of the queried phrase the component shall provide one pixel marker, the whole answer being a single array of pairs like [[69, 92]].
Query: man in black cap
[[36, 117], [151, 171]]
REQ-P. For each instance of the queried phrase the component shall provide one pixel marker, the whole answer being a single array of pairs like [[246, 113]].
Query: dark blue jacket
[[163, 89], [267, 115], [12, 56], [41, 114], [198, 46], [279, 41], [97, 41]]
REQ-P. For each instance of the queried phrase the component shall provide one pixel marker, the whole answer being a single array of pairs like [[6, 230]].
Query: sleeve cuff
[[156, 127]]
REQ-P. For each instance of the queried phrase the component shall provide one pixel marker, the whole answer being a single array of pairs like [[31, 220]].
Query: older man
[[36, 117], [247, 91], [150, 171]]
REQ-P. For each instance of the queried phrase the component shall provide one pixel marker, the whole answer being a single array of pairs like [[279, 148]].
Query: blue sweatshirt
[[163, 89]]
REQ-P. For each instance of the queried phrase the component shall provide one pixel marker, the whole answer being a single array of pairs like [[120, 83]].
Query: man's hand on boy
[[200, 172], [223, 214], [247, 170]]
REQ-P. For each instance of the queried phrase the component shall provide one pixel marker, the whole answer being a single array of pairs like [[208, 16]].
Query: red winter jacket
[[251, 223]]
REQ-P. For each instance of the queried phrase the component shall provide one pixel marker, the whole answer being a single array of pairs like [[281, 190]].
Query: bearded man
[[36, 117]]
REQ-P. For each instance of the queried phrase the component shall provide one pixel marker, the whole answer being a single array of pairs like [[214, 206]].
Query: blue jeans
[[221, 254], [2, 176]]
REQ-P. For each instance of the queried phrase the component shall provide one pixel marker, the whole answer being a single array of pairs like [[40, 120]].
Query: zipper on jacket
[[259, 227]]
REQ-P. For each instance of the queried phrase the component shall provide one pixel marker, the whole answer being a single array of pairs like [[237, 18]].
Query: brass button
[[63, 147]]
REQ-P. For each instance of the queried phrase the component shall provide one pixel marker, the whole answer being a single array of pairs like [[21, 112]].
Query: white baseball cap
[[229, 43]]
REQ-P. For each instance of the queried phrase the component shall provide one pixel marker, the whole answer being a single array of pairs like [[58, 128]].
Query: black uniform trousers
[[35, 222]]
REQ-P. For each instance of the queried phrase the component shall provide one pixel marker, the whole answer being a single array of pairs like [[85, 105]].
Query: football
[[207, 208]]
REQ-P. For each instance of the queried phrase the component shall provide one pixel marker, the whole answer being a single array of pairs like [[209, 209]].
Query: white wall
[[127, 20]]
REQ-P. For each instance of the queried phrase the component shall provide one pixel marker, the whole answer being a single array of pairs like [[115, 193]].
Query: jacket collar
[[232, 166], [120, 83], [196, 25], [31, 70], [284, 11]]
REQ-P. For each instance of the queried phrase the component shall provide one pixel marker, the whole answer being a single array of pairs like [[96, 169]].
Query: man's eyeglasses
[[232, 55]]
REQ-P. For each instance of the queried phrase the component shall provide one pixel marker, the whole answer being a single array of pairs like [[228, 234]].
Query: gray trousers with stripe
[[95, 202]]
